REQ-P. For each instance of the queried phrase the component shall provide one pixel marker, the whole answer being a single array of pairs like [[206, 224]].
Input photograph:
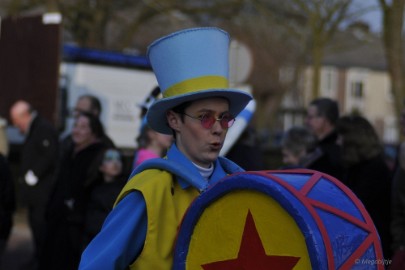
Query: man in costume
[[197, 107]]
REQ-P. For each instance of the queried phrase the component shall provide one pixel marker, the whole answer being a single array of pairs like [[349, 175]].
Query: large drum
[[292, 219]]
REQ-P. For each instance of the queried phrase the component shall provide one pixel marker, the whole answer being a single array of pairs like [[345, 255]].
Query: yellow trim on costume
[[159, 188], [196, 84]]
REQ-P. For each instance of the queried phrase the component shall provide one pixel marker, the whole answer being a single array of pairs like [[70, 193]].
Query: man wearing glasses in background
[[197, 107], [322, 116]]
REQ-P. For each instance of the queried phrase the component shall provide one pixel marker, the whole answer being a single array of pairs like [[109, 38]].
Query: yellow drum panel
[[217, 236]]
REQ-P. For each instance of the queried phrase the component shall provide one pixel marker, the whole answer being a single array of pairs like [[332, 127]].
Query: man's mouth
[[216, 146]]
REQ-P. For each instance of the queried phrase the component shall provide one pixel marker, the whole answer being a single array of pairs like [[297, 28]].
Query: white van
[[120, 81]]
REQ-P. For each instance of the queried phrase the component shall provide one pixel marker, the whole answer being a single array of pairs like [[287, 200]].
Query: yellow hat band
[[195, 85]]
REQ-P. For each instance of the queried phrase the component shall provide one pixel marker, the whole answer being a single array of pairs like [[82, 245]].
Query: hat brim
[[156, 115]]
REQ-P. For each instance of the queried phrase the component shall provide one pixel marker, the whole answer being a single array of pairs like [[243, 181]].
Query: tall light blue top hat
[[189, 65]]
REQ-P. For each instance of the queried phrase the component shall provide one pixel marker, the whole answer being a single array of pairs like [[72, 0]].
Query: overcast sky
[[373, 14]]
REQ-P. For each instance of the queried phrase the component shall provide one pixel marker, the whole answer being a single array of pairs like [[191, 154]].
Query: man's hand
[[30, 178]]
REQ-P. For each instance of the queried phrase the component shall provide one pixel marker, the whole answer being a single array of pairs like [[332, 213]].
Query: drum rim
[[315, 244]]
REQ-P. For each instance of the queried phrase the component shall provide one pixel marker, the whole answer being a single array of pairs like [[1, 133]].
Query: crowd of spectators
[[69, 185]]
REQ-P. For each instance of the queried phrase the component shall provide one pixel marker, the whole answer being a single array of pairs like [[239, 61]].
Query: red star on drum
[[252, 255]]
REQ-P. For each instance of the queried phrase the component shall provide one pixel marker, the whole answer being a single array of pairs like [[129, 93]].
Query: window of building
[[329, 81], [357, 89]]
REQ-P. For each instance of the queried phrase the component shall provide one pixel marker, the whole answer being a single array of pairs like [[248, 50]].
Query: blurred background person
[[7, 195], [368, 175], [322, 115], [7, 203], [242, 144], [108, 184], [75, 180], [151, 144], [84, 104], [87, 104], [37, 167], [298, 147], [246, 151], [4, 147], [398, 206]]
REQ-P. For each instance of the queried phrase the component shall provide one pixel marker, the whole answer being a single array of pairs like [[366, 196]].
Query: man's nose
[[217, 127]]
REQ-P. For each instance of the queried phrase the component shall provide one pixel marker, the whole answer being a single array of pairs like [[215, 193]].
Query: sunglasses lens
[[207, 120], [227, 121]]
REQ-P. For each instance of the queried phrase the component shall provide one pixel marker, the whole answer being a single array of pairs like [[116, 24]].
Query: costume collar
[[205, 172], [175, 155]]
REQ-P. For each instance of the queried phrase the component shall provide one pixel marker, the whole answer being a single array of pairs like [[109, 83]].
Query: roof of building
[[356, 48]]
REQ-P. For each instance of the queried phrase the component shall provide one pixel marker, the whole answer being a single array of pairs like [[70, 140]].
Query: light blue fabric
[[176, 164], [195, 52], [188, 54], [124, 231]]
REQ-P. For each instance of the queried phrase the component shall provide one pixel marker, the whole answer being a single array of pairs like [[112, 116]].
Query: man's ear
[[173, 120]]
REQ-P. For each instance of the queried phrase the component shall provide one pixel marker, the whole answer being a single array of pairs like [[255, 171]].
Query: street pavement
[[19, 251]]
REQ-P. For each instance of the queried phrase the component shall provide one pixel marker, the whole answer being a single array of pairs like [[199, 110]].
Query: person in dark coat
[[7, 203], [368, 175], [37, 166], [110, 181], [322, 115], [398, 205], [67, 207]]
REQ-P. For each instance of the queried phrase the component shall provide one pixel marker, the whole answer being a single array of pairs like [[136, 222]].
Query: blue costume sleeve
[[121, 239]]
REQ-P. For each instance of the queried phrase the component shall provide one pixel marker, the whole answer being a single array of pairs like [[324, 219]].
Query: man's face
[[21, 120], [201, 145], [314, 121], [82, 105], [82, 134], [111, 165]]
